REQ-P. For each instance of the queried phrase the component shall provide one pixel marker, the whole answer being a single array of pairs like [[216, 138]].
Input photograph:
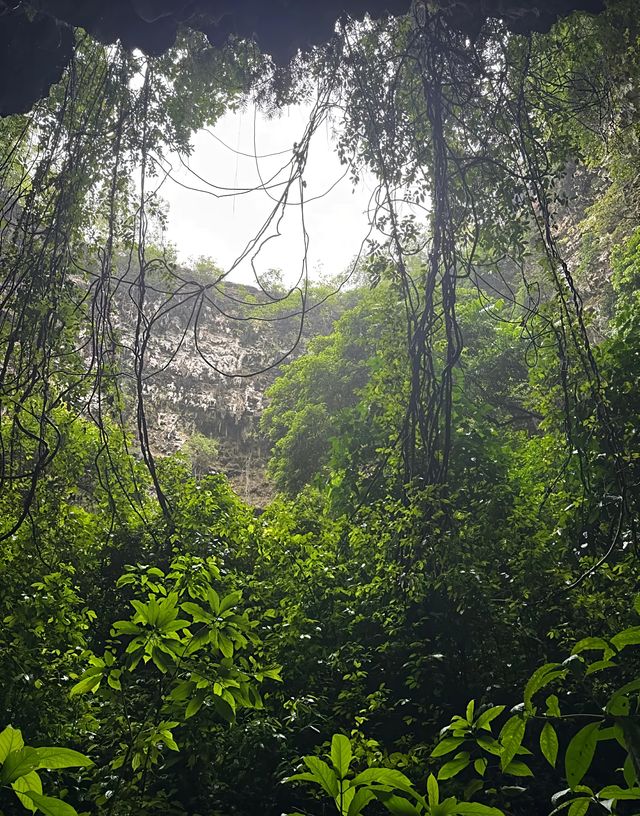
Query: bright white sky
[[201, 224]]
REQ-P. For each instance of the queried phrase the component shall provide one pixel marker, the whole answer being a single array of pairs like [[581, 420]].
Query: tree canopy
[[437, 612]]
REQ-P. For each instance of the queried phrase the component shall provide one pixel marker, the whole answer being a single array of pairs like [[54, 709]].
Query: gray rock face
[[209, 355]]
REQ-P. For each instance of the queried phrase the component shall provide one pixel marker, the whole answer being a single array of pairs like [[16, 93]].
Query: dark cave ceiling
[[36, 38]]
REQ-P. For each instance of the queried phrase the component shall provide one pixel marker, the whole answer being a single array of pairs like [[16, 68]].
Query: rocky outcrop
[[207, 363]]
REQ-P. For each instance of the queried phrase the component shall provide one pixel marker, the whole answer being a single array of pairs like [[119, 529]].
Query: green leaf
[[344, 798], [161, 660], [453, 767], [628, 637], [323, 773], [471, 705], [125, 627], [87, 683], [341, 754], [580, 753], [540, 678], [50, 806], [518, 768], [489, 744], [395, 804], [629, 771], [10, 740], [225, 644], [305, 776], [194, 705], [54, 758], [214, 601], [616, 792], [511, 738], [198, 614], [447, 745], [480, 765], [553, 706], [384, 776], [599, 665], [488, 716], [593, 644], [360, 800], [433, 791], [28, 782], [224, 708], [579, 807], [18, 763], [549, 744], [476, 809], [229, 601]]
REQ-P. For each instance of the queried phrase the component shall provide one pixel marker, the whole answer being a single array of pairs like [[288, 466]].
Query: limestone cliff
[[208, 359]]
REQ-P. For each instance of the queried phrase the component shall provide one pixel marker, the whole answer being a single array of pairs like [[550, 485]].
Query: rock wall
[[207, 363]]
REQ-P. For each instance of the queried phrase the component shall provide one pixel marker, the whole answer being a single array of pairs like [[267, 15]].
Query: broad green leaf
[[446, 808], [176, 625], [323, 773], [518, 768], [224, 708], [471, 705], [113, 679], [28, 782], [197, 612], [214, 601], [50, 806], [633, 685], [161, 660], [229, 601], [593, 644], [628, 637], [480, 765], [599, 665], [305, 776], [488, 716], [385, 776], [341, 754], [86, 684], [396, 805], [194, 705], [549, 744], [453, 767], [225, 644], [10, 740], [616, 792], [344, 798], [360, 800], [18, 763], [55, 758], [511, 738], [553, 706], [580, 752], [579, 807], [629, 771], [433, 791], [125, 627], [471, 788], [447, 745], [489, 744], [541, 678]]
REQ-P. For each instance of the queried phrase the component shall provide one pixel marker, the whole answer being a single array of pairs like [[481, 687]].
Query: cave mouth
[[36, 37]]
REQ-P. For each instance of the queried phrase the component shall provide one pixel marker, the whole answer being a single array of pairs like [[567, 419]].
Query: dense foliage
[[455, 536]]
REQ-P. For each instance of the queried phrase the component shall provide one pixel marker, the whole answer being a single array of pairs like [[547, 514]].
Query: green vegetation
[[438, 613]]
